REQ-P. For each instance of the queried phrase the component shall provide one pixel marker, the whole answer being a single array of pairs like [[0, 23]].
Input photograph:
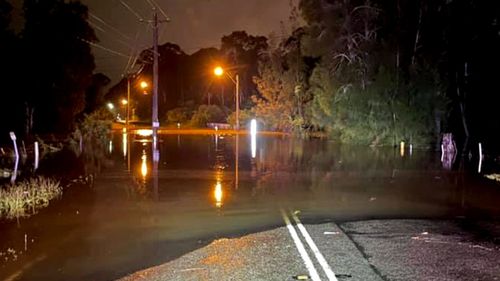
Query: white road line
[[303, 253], [321, 259]]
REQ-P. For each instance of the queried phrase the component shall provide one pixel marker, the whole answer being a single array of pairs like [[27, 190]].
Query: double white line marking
[[303, 253]]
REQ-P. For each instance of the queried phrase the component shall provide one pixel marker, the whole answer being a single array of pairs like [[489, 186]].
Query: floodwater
[[146, 208]]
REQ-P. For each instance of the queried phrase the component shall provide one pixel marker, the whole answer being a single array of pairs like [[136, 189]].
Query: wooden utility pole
[[156, 122]]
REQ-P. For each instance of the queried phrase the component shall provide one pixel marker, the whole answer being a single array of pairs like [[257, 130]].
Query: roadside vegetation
[[94, 128], [25, 198], [338, 75]]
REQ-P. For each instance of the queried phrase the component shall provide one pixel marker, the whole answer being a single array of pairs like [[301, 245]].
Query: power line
[[156, 6], [104, 57], [104, 48], [115, 30], [126, 44], [151, 4], [109, 26], [128, 64], [133, 56], [135, 52], [135, 13], [96, 26]]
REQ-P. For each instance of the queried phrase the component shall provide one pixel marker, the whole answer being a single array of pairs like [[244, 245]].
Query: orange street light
[[124, 102], [218, 71], [144, 85]]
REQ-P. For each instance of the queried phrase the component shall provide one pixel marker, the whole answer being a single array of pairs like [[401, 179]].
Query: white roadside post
[[37, 155], [14, 173], [480, 165]]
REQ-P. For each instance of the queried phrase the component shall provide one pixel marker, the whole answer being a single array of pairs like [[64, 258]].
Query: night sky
[[194, 24]]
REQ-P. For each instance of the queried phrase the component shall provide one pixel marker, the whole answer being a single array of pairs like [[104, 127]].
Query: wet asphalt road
[[366, 250]]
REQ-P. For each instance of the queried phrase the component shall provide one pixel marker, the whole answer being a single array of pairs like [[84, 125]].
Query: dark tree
[[95, 94], [241, 53], [11, 112], [187, 81], [58, 63]]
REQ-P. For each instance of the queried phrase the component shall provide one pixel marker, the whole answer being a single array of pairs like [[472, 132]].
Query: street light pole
[[128, 102], [237, 102], [219, 71], [156, 123], [128, 123]]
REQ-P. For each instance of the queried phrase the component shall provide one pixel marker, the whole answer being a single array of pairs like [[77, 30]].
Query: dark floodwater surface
[[127, 221]]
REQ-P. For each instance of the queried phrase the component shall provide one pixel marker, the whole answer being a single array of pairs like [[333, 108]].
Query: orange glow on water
[[124, 143], [218, 195], [144, 165]]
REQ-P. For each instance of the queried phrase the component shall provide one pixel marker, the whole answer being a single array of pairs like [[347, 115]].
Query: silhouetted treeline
[[47, 67], [369, 72], [187, 81]]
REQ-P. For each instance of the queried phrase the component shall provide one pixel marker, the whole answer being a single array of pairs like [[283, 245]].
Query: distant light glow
[[144, 85], [253, 135], [124, 101], [178, 125], [218, 194], [145, 132], [110, 147], [402, 149], [218, 71], [110, 106]]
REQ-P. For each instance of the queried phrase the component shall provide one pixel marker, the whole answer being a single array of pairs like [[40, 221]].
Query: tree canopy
[[58, 62], [47, 66], [379, 72]]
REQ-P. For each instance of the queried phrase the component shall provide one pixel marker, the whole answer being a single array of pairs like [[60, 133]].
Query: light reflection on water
[[218, 194], [253, 135], [144, 165], [110, 147], [290, 171], [125, 144]]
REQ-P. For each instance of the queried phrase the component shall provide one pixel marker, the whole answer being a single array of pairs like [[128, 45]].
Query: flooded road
[[139, 213]]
